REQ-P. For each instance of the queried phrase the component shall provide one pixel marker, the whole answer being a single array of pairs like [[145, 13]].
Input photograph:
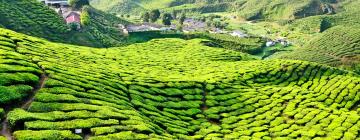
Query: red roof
[[73, 17]]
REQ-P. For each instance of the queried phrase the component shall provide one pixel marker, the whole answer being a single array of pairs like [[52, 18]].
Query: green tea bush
[[172, 89], [46, 134], [73, 124]]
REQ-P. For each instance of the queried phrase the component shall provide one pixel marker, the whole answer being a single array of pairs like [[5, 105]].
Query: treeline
[[166, 18]]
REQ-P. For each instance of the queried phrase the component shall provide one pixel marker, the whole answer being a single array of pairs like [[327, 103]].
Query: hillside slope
[[33, 18], [169, 89], [346, 15], [337, 46], [102, 29]]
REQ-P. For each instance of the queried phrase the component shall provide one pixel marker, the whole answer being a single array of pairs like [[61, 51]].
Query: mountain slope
[[171, 89]]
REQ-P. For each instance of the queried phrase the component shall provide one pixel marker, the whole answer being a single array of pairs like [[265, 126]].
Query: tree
[[77, 4], [174, 14], [324, 25], [154, 15], [74, 26], [166, 19], [146, 17], [85, 17], [182, 18]]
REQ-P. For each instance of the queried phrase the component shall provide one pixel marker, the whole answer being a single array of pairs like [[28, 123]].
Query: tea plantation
[[169, 89], [337, 46]]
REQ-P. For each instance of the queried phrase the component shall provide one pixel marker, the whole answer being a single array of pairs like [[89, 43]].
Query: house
[[282, 41], [237, 33], [143, 27], [217, 31], [191, 24], [123, 29], [270, 43], [72, 17], [55, 3]]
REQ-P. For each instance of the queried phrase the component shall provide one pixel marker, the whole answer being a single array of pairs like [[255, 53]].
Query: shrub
[[46, 134]]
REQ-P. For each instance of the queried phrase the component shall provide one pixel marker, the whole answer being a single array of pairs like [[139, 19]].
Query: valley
[[179, 69]]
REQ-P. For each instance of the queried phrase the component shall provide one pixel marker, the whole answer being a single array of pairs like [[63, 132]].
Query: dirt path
[[87, 136], [5, 128], [25, 105], [204, 94], [204, 106]]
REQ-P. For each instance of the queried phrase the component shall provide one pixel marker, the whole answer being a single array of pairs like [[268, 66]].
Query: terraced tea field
[[338, 46], [169, 89]]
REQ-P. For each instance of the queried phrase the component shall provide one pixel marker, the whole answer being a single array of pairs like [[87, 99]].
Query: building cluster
[[192, 25], [63, 8], [145, 27], [281, 41]]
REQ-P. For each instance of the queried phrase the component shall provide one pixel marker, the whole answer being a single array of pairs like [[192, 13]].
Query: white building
[[60, 3], [238, 34]]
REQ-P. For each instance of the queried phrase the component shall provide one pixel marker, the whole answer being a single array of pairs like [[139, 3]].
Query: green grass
[[177, 89]]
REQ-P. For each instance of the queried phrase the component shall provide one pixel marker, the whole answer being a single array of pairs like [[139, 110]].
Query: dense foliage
[[78, 4], [174, 89]]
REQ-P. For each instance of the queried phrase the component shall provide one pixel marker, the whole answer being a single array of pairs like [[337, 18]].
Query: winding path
[[5, 129]]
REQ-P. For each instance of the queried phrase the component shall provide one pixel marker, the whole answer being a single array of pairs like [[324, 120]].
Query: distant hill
[[247, 9], [34, 18], [346, 14]]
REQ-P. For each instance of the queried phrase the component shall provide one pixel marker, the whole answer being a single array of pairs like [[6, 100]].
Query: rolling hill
[[347, 14], [337, 46], [169, 89], [330, 39]]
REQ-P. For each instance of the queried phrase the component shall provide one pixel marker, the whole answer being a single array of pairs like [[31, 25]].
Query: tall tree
[[85, 16], [174, 14], [77, 4], [154, 15], [182, 18], [166, 19], [146, 17]]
